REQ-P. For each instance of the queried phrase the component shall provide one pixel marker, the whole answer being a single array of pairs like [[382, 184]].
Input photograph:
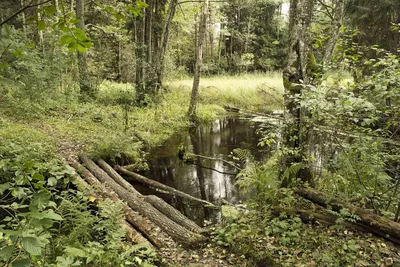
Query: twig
[[2, 54], [209, 168], [211, 158]]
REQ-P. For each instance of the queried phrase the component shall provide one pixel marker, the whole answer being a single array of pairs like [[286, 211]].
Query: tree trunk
[[155, 201], [295, 73], [336, 25], [156, 185], [177, 232], [84, 85], [140, 86], [198, 65], [374, 223], [164, 44], [147, 228]]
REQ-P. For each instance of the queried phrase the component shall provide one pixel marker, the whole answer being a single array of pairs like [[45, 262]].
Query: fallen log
[[155, 201], [144, 226], [132, 235], [154, 184], [179, 233], [231, 109], [317, 218], [376, 224]]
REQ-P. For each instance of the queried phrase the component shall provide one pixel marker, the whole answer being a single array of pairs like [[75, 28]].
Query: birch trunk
[[336, 26], [199, 62]]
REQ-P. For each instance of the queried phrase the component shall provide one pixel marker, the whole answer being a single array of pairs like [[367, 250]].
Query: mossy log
[[372, 222], [179, 233], [155, 201], [143, 225], [156, 185]]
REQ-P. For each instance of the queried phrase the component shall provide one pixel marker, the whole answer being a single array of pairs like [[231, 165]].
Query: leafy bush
[[45, 221]]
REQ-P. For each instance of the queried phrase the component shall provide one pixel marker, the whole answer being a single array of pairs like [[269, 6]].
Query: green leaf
[[81, 48], [6, 252], [4, 65], [66, 39], [42, 223], [22, 263], [4, 187], [38, 177], [75, 252], [40, 200], [49, 214], [72, 46], [109, 9], [50, 10], [41, 25], [32, 245], [18, 192], [52, 181], [79, 34]]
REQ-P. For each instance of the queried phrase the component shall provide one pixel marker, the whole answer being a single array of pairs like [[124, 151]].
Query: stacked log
[[146, 214], [132, 235], [143, 225], [155, 201], [156, 185]]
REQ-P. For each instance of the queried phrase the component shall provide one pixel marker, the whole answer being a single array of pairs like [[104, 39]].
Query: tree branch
[[22, 10], [328, 8]]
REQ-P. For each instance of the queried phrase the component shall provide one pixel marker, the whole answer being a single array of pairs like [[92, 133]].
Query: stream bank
[[211, 180]]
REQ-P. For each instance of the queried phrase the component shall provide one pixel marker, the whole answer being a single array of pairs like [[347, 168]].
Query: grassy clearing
[[254, 92], [112, 126]]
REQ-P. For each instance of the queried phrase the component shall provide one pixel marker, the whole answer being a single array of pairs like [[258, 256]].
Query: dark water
[[211, 180]]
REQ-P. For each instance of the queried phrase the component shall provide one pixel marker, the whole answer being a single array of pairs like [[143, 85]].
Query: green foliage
[[262, 180], [44, 223], [285, 241]]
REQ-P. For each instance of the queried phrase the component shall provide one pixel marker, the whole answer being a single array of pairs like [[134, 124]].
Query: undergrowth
[[267, 240]]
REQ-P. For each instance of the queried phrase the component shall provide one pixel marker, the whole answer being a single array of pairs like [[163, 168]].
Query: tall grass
[[255, 92]]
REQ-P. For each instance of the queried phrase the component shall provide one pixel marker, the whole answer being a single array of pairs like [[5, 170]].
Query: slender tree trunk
[[23, 18], [336, 25], [198, 65], [140, 85], [84, 85], [160, 67], [294, 74]]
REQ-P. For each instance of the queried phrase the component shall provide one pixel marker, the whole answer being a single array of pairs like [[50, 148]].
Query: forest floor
[[110, 128]]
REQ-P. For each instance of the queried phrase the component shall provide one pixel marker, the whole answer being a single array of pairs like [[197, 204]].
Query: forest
[[199, 133]]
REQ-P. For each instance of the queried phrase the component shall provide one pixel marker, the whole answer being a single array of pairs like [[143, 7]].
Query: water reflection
[[207, 179]]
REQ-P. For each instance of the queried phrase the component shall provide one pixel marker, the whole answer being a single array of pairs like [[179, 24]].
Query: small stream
[[211, 180]]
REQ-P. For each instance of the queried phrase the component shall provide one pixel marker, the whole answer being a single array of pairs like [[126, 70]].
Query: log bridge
[[148, 219]]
